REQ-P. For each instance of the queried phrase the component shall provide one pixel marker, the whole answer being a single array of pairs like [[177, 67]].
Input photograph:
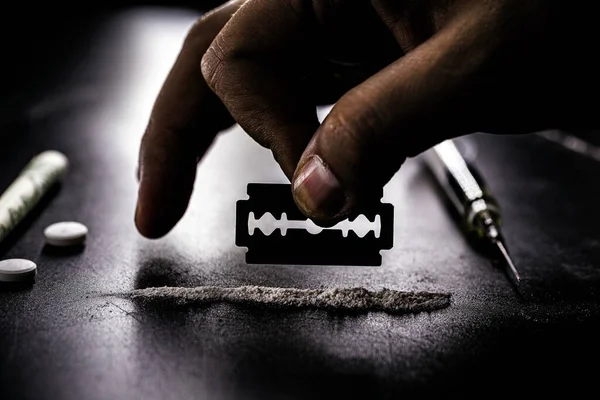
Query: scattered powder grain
[[343, 300]]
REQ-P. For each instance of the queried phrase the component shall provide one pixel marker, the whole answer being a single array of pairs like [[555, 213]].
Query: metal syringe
[[478, 209]]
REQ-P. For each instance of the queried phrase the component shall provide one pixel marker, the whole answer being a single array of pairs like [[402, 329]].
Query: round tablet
[[66, 233], [17, 270]]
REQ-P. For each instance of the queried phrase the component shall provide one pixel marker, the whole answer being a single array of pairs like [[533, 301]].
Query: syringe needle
[[510, 266], [479, 210]]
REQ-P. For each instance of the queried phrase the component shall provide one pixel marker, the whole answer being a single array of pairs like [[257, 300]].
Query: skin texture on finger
[[255, 65], [409, 106], [184, 121]]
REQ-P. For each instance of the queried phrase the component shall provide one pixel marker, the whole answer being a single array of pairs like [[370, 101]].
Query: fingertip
[[318, 193], [162, 201], [147, 223], [140, 223], [146, 226]]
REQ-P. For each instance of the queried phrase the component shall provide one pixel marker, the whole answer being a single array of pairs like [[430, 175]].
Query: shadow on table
[[259, 353], [229, 351]]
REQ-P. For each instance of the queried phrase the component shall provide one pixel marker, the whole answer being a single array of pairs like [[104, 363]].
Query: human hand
[[404, 76]]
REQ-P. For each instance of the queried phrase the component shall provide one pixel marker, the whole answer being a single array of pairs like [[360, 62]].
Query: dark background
[[39, 41], [81, 80]]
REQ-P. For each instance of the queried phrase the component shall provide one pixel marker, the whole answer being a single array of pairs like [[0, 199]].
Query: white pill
[[68, 233], [17, 270]]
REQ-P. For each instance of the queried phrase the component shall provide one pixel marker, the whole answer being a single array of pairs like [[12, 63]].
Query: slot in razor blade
[[267, 224]]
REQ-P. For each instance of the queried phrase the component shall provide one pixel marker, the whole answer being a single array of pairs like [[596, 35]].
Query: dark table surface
[[67, 337]]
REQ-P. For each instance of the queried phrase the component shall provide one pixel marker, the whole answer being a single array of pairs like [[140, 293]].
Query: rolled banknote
[[39, 175]]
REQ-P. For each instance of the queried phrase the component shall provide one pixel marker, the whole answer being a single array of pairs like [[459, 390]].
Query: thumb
[[406, 108]]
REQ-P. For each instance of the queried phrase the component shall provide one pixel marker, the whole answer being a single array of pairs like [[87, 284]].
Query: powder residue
[[355, 299]]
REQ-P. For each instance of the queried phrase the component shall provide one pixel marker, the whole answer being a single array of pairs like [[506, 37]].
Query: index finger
[[256, 65], [184, 121]]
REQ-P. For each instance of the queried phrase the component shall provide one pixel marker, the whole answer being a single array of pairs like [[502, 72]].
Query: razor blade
[[302, 245]]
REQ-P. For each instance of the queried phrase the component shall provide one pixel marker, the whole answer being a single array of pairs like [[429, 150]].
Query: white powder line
[[356, 299]]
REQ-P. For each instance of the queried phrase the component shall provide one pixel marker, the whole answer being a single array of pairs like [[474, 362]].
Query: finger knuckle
[[213, 63], [199, 30], [342, 142], [203, 31], [213, 20], [339, 132], [358, 129]]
